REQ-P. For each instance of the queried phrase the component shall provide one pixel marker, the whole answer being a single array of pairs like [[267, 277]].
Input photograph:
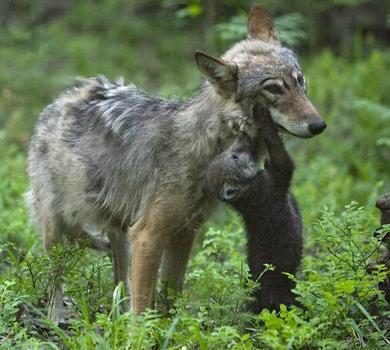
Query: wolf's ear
[[222, 75], [260, 26]]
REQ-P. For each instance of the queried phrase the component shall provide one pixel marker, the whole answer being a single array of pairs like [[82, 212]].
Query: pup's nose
[[317, 127], [251, 172]]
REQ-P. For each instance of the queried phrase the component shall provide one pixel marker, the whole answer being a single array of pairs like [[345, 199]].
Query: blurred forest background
[[343, 46], [45, 44]]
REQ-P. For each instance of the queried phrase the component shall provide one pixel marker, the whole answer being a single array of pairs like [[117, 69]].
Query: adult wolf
[[107, 156]]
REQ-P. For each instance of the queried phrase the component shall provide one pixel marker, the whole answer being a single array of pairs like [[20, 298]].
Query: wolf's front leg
[[150, 236], [147, 247], [174, 264]]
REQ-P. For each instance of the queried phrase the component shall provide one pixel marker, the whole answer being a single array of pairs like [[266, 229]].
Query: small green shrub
[[343, 308]]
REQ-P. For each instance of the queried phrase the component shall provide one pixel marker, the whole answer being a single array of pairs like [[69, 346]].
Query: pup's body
[[270, 213], [105, 156]]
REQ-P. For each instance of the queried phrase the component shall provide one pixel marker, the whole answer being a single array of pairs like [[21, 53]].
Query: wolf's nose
[[317, 127]]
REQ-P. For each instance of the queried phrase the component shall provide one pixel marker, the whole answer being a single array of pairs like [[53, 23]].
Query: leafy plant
[[337, 286], [337, 290]]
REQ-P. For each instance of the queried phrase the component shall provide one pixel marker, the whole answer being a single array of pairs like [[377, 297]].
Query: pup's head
[[259, 70], [230, 173]]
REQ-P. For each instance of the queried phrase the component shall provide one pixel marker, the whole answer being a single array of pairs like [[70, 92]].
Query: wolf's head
[[259, 70]]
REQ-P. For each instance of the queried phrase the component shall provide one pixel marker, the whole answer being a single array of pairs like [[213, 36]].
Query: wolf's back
[[96, 150]]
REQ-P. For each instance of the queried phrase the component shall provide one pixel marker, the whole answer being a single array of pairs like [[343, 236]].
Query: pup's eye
[[301, 80], [235, 156], [274, 89]]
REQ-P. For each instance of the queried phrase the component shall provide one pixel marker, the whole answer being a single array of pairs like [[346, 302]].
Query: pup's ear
[[260, 26], [222, 75]]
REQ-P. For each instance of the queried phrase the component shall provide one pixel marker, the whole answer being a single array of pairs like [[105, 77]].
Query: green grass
[[349, 163], [343, 307]]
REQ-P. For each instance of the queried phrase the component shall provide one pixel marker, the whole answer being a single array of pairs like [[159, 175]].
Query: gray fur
[[102, 152], [102, 149]]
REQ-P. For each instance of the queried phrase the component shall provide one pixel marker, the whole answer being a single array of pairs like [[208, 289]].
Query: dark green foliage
[[42, 51]]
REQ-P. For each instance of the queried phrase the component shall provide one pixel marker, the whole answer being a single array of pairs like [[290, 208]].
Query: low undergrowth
[[337, 287], [342, 306], [337, 284]]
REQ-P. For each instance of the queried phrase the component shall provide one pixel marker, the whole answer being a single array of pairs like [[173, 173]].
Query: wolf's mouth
[[283, 129]]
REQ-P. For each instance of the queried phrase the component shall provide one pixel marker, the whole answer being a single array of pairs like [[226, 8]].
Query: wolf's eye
[[274, 89], [301, 80]]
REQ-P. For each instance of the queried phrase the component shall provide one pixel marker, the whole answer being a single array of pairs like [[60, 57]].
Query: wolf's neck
[[202, 109], [203, 122]]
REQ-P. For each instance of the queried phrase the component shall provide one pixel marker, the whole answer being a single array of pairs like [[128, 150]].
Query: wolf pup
[[270, 212], [106, 157]]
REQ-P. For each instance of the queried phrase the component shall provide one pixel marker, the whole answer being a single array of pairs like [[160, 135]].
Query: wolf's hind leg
[[98, 244], [53, 235], [120, 244], [91, 240]]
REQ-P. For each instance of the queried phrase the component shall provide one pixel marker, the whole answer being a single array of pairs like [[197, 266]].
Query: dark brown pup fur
[[270, 212]]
